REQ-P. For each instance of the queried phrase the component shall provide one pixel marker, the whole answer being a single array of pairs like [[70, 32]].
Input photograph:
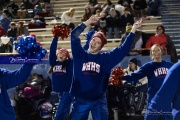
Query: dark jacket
[[113, 22], [171, 50], [12, 33], [138, 34]]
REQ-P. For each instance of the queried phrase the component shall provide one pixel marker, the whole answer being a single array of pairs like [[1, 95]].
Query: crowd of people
[[82, 80]]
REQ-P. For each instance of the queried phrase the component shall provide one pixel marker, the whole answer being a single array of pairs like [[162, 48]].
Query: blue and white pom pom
[[27, 46]]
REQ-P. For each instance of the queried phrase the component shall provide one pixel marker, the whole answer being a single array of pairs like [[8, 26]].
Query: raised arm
[[14, 78], [121, 51], [75, 40], [53, 48]]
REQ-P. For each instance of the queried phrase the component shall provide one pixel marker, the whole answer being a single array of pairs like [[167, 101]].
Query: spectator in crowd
[[6, 46], [35, 21], [119, 9], [49, 7], [155, 71], [68, 18], [12, 32], [93, 5], [167, 94], [24, 6], [127, 17], [34, 2], [97, 12], [164, 41], [126, 3], [86, 15], [132, 68], [113, 23], [9, 13], [2, 31], [107, 6], [10, 79], [139, 7], [90, 78], [37, 9], [154, 7], [101, 25], [13, 6], [5, 22], [138, 42], [21, 29]]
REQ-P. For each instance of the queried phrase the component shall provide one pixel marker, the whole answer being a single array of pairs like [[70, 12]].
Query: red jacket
[[2, 32], [157, 39]]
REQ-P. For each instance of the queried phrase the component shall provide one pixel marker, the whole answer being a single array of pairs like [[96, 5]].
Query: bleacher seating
[[44, 35]]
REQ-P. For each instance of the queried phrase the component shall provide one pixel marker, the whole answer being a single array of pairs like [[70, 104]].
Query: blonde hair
[[70, 12], [151, 49]]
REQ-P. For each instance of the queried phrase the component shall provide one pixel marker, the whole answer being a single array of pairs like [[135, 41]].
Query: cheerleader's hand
[[92, 19], [136, 25]]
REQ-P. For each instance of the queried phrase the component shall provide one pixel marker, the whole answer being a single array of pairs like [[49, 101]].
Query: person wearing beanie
[[132, 68], [92, 69], [62, 72], [155, 71], [165, 41], [167, 94]]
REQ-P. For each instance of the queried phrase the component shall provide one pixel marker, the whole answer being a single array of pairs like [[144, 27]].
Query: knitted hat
[[101, 36], [128, 27], [63, 50], [133, 60]]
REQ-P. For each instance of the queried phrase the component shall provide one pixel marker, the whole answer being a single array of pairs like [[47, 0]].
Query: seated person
[[37, 9], [12, 32], [137, 42], [36, 22], [154, 7], [164, 41], [13, 6], [113, 23], [24, 6], [6, 46], [21, 29]]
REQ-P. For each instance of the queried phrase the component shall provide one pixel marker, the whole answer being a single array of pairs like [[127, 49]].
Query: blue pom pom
[[90, 34], [27, 46]]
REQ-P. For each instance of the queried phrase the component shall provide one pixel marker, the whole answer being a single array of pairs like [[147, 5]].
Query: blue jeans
[[151, 10], [116, 32], [64, 106], [98, 108]]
